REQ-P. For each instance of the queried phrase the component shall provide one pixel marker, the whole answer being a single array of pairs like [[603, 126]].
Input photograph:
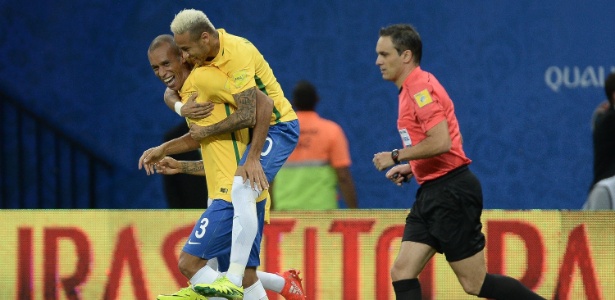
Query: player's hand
[[149, 158], [168, 166], [194, 110], [383, 160], [252, 170], [197, 132], [399, 174]]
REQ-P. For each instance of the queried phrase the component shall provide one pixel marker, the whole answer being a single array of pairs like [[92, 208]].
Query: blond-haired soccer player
[[211, 236], [241, 71]]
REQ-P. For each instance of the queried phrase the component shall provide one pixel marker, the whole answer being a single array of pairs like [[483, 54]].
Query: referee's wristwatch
[[395, 156]]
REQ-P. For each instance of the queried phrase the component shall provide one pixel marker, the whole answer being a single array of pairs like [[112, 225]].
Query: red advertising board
[[345, 254]]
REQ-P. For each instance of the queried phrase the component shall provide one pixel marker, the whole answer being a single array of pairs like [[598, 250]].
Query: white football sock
[[255, 292], [245, 228], [213, 263], [270, 281], [205, 275]]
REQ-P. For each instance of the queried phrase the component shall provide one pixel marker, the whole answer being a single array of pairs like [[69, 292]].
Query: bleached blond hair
[[193, 21]]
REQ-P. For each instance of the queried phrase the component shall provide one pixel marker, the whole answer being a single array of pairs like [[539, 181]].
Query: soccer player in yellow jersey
[[241, 71], [212, 235]]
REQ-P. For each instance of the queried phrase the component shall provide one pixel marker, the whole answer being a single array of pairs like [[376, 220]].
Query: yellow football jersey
[[221, 153], [237, 67]]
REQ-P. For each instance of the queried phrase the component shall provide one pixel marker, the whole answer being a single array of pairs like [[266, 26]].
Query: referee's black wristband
[[395, 156]]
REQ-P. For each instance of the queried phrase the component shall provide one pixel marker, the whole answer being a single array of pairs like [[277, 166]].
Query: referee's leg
[[410, 261], [475, 280]]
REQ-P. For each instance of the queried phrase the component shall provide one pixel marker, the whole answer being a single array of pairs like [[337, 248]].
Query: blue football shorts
[[212, 234], [280, 143]]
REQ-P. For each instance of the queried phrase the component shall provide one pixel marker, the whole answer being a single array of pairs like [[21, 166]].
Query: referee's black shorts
[[446, 215]]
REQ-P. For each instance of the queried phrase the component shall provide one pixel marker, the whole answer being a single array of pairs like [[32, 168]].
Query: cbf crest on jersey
[[422, 98], [238, 79]]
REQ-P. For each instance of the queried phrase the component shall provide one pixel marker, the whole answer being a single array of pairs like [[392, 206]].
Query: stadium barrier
[[345, 254]]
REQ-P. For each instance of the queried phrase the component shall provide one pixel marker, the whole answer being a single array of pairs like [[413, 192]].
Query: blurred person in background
[[602, 191], [310, 178], [602, 195], [604, 134]]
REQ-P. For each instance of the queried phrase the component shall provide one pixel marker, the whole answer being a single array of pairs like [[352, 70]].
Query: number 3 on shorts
[[200, 233]]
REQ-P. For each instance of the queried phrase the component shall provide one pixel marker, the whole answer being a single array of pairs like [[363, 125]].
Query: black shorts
[[446, 215]]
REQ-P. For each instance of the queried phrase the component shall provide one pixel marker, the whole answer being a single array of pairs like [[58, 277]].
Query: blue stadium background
[[525, 77]]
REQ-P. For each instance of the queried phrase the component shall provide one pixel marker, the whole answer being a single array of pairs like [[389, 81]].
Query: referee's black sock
[[505, 288], [407, 289]]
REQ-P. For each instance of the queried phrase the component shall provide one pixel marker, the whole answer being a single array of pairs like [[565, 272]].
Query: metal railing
[[42, 167]]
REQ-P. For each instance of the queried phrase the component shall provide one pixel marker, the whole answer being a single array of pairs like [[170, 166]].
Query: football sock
[[407, 289], [505, 288], [255, 292], [205, 275], [245, 228], [213, 263], [270, 281]]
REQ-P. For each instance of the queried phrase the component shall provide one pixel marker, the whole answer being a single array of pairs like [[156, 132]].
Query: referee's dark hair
[[405, 37], [609, 89], [305, 96]]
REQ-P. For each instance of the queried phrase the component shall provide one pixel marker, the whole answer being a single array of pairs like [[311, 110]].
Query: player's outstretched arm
[[152, 156], [171, 166]]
